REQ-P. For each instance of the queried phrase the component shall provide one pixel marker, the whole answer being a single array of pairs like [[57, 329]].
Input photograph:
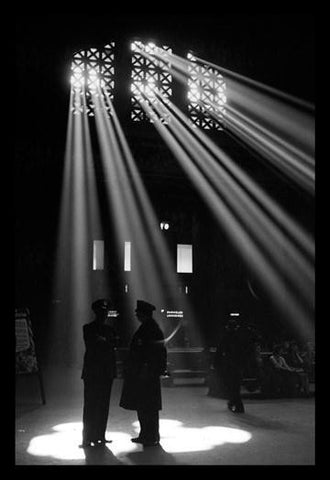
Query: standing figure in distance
[[146, 363], [99, 370], [233, 348]]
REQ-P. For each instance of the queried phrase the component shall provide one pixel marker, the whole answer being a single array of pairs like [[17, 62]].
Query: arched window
[[206, 95], [92, 72], [149, 75]]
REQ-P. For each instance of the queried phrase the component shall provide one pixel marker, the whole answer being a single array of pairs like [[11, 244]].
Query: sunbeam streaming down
[[154, 276], [285, 268], [271, 242], [79, 223], [278, 126]]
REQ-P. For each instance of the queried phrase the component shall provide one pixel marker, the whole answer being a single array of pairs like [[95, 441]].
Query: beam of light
[[124, 210], [280, 266], [296, 164], [287, 223], [79, 218], [116, 185], [286, 257], [63, 442], [162, 259], [153, 275], [290, 99], [75, 248], [276, 217], [278, 126]]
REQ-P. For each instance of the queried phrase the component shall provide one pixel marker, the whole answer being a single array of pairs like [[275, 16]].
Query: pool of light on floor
[[63, 442]]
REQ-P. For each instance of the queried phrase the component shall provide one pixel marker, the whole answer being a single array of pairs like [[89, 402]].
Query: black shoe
[[231, 407], [137, 440], [236, 409], [86, 445], [99, 443], [240, 410], [151, 444], [104, 440]]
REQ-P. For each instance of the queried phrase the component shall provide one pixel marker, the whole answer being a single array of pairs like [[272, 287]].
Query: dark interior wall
[[277, 49]]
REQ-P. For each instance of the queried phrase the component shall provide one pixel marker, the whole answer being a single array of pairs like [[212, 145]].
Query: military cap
[[144, 307], [101, 304]]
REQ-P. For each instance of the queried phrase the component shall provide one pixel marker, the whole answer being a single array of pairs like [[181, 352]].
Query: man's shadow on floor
[[100, 455], [152, 456]]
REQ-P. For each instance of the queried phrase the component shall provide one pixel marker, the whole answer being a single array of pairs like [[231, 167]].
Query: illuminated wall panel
[[127, 257], [98, 255], [184, 259]]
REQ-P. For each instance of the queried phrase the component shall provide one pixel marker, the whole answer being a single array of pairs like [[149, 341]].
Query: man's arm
[[155, 359], [91, 337]]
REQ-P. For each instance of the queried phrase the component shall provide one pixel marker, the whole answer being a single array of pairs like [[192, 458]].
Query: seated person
[[285, 345], [295, 361], [283, 375], [258, 363], [307, 353]]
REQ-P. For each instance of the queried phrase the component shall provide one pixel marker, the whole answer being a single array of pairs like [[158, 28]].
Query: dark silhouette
[[308, 354], [101, 456], [146, 363], [231, 355], [99, 370], [159, 457], [295, 360]]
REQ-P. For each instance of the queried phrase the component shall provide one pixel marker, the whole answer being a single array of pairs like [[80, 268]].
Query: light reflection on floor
[[63, 442]]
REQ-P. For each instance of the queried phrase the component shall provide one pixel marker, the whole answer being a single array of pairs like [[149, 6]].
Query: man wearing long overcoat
[[145, 364], [99, 371]]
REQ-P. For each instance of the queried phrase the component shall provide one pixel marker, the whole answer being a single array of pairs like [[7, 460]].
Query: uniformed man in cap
[[99, 370], [146, 363]]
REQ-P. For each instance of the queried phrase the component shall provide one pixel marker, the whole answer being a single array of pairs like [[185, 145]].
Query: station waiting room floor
[[195, 429]]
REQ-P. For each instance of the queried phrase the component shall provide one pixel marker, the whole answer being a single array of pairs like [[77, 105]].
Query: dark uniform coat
[[231, 357], [146, 362], [99, 370], [233, 348], [99, 358]]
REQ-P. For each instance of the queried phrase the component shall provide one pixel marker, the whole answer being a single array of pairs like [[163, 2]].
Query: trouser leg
[[233, 384], [236, 390], [141, 418], [89, 411], [149, 425], [102, 409]]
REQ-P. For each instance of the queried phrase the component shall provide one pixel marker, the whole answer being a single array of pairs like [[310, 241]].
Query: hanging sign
[[26, 359]]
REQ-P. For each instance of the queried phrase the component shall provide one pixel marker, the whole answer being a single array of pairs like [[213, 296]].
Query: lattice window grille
[[149, 75], [91, 69], [206, 95]]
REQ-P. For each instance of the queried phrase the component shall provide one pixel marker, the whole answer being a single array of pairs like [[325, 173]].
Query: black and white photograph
[[164, 224]]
